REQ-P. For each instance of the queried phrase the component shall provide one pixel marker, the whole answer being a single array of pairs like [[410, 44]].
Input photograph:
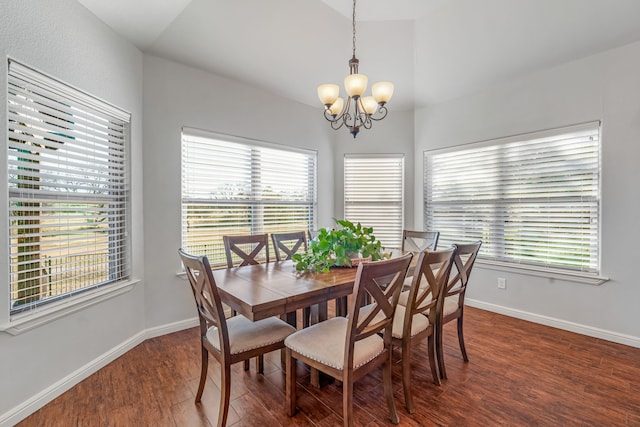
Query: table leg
[[320, 312]]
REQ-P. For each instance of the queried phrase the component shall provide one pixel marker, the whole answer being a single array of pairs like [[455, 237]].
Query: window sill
[[550, 273], [24, 322]]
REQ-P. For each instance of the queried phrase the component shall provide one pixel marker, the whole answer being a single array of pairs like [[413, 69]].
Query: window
[[533, 199], [68, 190], [374, 195], [236, 186]]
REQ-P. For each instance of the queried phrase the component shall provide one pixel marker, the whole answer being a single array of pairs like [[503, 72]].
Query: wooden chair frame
[[430, 236], [231, 247], [298, 238], [211, 314], [423, 300], [457, 286], [369, 279]]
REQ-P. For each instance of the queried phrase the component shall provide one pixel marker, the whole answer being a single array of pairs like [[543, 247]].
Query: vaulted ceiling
[[433, 50]]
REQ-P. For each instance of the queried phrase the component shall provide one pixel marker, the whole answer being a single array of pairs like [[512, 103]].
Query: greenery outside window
[[68, 190], [533, 199], [238, 186]]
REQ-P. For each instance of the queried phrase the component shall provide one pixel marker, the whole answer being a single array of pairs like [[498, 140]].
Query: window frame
[[535, 269], [40, 86], [254, 201]]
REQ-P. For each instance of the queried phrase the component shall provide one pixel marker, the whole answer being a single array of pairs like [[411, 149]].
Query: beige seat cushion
[[324, 342], [450, 305], [404, 298], [246, 335], [418, 324]]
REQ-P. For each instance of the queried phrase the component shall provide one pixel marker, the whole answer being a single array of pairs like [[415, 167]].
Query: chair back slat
[[288, 244], [429, 280], [207, 298], [381, 282], [237, 244], [418, 241], [464, 260]]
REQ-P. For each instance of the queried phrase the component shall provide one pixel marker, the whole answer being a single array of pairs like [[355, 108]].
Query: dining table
[[277, 289]]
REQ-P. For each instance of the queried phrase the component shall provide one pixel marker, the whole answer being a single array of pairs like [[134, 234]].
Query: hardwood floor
[[519, 374]]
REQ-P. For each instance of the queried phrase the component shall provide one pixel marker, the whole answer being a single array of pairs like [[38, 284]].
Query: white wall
[[177, 96], [63, 39], [393, 135], [601, 87]]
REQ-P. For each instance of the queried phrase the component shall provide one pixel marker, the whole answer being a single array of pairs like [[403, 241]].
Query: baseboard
[[18, 413], [557, 323]]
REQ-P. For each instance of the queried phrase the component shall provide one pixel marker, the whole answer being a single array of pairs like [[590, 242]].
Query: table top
[[272, 289]]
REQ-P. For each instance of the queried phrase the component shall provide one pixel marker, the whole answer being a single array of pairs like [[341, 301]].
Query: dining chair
[[248, 248], [347, 348], [418, 241], [417, 317], [285, 245], [229, 340], [451, 300]]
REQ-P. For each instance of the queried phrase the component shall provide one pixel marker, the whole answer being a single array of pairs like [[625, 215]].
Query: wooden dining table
[[276, 289]]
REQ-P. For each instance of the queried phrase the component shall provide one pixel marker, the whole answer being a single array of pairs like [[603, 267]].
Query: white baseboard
[[558, 323], [18, 413]]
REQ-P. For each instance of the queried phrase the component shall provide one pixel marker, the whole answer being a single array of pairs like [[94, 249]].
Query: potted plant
[[341, 247]]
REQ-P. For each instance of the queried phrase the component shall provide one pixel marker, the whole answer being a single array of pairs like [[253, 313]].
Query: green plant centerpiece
[[338, 247]]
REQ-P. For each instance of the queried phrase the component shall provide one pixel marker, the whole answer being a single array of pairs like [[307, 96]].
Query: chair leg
[[432, 358], [461, 339], [440, 350], [347, 400], [203, 373], [290, 383], [388, 389], [260, 364], [246, 365], [225, 394], [406, 376]]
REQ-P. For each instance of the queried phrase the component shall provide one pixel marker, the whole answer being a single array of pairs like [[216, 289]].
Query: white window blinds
[[236, 186], [374, 194], [532, 199], [68, 190]]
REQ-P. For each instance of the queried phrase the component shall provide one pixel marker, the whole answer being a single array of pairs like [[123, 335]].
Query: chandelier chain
[[354, 28]]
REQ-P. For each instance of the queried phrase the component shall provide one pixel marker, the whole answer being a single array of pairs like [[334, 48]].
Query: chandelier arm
[[337, 124], [383, 111]]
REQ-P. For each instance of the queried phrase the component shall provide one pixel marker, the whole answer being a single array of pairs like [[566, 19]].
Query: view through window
[[532, 199], [68, 190], [237, 186]]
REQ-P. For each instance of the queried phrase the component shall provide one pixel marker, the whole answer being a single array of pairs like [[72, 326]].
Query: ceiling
[[433, 50]]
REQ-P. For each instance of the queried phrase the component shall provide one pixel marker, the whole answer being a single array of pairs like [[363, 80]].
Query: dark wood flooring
[[519, 374]]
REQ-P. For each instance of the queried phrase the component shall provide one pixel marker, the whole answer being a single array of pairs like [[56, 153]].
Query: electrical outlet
[[502, 283]]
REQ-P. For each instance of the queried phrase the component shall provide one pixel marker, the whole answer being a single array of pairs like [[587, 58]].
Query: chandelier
[[359, 111]]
